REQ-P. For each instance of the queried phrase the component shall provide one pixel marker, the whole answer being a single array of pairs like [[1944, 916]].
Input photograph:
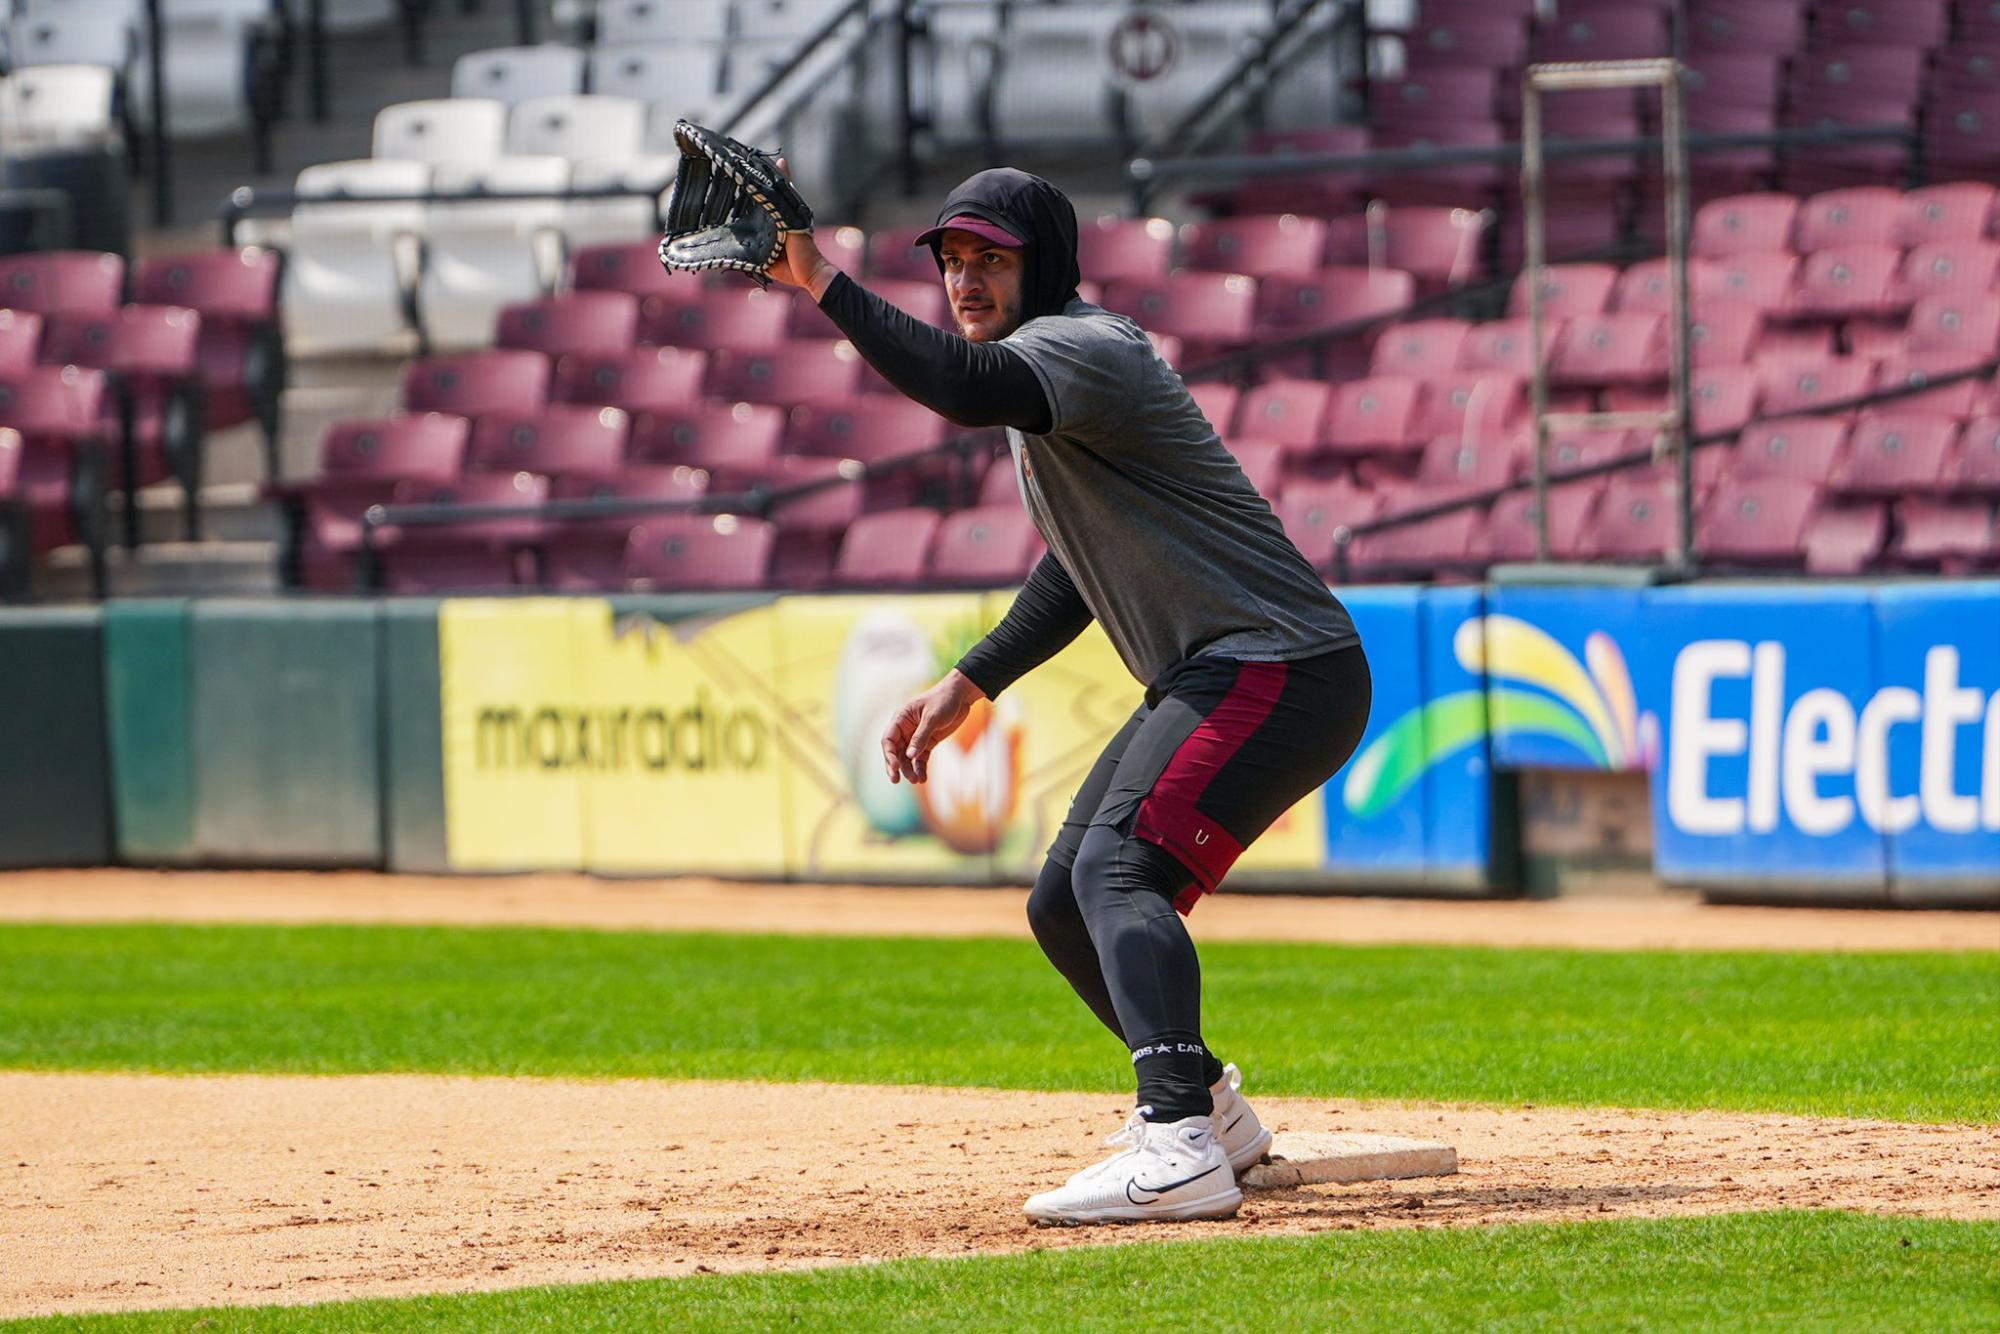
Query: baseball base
[[1304, 1158]]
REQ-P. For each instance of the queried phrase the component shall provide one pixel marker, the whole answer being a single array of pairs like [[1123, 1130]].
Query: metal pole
[[906, 119], [1533, 219], [1673, 129], [156, 71], [316, 60], [524, 22]]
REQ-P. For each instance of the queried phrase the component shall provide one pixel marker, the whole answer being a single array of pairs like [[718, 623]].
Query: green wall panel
[[286, 732], [146, 682], [55, 781], [412, 737]]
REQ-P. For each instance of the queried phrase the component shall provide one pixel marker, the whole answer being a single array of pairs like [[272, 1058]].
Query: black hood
[[1039, 214]]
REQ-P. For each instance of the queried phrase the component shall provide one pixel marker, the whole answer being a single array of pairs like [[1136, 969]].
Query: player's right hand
[[923, 722]]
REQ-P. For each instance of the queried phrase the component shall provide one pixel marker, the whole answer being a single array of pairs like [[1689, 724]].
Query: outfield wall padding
[[412, 778], [148, 678], [55, 783], [286, 726]]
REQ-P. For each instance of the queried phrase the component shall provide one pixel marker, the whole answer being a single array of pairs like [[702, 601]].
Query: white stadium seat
[[580, 127], [516, 74], [342, 16], [601, 221], [1210, 35], [620, 21], [56, 104], [1050, 83], [480, 257], [687, 75], [206, 94], [964, 42], [71, 38], [463, 130], [349, 265], [783, 20]]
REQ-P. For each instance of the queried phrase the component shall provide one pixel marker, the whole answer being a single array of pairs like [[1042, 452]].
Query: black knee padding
[[1109, 860]]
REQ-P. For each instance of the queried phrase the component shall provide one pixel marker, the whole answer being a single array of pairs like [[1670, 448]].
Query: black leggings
[[1218, 751]]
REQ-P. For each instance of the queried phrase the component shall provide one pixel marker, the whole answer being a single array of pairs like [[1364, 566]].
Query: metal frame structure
[[1673, 427]]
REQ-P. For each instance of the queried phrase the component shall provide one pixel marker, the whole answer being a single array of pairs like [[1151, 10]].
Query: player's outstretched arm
[[926, 720]]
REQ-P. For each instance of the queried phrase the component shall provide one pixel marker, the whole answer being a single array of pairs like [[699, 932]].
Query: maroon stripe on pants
[[1168, 816]]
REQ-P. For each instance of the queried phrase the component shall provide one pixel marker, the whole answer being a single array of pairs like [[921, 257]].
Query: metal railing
[[249, 201]]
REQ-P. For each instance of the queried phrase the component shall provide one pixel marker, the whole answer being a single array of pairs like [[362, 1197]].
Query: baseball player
[[1257, 690]]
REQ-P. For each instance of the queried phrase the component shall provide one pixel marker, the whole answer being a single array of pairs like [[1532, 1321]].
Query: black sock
[[1172, 1081]]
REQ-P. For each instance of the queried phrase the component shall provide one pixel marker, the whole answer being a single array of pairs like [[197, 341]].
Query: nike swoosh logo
[[1233, 1124], [1158, 1191]]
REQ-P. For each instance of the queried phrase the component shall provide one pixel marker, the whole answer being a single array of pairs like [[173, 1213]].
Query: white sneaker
[[1170, 1170], [1243, 1137]]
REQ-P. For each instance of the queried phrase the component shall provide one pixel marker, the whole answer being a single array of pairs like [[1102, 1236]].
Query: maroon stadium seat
[[20, 336], [1953, 534], [1505, 346], [1976, 466], [1471, 404], [1938, 213], [624, 266], [1332, 296], [1291, 412], [1849, 280], [1761, 278], [708, 435], [53, 281], [877, 427], [412, 444], [1737, 170], [739, 319], [1259, 245], [1794, 386], [892, 254], [1314, 512], [1441, 96], [1569, 450], [1113, 249], [1761, 521], [1509, 534], [1001, 485], [1958, 321], [809, 371], [847, 248], [151, 353], [1646, 285], [643, 379], [1419, 348], [1218, 402], [1452, 464], [1479, 35], [986, 546], [1437, 245], [469, 555], [1936, 268], [1605, 32], [1845, 539], [1724, 333], [588, 322], [1423, 548], [1635, 521], [1914, 23], [1582, 117], [1263, 463], [1203, 310], [1725, 397], [57, 411], [1959, 132], [1806, 448], [1867, 215], [919, 300], [1890, 453], [1568, 289], [240, 352], [237, 283], [700, 552], [1310, 192], [558, 440], [1744, 224], [1771, 27], [1627, 348], [1961, 398], [1371, 416], [887, 549], [1736, 79], [581, 554], [476, 382]]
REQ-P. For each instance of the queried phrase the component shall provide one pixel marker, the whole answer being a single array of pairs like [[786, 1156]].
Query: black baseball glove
[[731, 207]]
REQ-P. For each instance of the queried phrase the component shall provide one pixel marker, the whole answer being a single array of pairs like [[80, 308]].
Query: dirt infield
[[695, 904], [252, 1189]]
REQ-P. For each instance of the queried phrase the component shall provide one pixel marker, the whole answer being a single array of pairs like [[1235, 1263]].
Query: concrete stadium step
[[164, 569], [230, 512]]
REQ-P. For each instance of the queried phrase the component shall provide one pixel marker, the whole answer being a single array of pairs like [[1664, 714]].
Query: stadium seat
[[54, 282], [1773, 27], [1259, 245], [602, 323], [685, 77], [1569, 450], [893, 254], [1419, 348], [1218, 402], [986, 546], [579, 127], [1380, 414], [468, 555], [562, 439], [1422, 548], [1646, 285], [880, 426], [1723, 333], [76, 37], [1439, 246], [481, 257], [43, 105], [1893, 453], [515, 74], [1943, 213], [1623, 32], [1939, 268], [1203, 310], [623, 266], [887, 549], [1976, 466], [1290, 412], [1635, 521], [1955, 321], [1960, 398], [1471, 405], [919, 300], [594, 217], [643, 379], [1792, 386], [390, 449], [622, 21], [1047, 81], [1844, 539], [699, 553], [20, 336], [739, 437], [1505, 347], [1626, 348], [1806, 448], [350, 267], [1954, 535], [1476, 36], [1764, 279], [582, 554], [1737, 79], [1845, 281], [1868, 215], [815, 371], [1452, 464], [1262, 462], [456, 131], [1567, 289], [716, 318], [1509, 532], [1921, 24], [505, 379], [1332, 296], [1753, 223], [1761, 521], [1426, 99], [58, 413], [1313, 513], [1725, 397]]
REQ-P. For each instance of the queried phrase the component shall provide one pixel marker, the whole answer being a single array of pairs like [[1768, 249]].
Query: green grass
[[1901, 1036], [1743, 1271]]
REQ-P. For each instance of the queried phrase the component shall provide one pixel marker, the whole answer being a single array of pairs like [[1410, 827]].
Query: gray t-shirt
[[1173, 550]]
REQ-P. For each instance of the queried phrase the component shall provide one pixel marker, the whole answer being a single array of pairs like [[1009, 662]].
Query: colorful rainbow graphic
[[1589, 705]]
